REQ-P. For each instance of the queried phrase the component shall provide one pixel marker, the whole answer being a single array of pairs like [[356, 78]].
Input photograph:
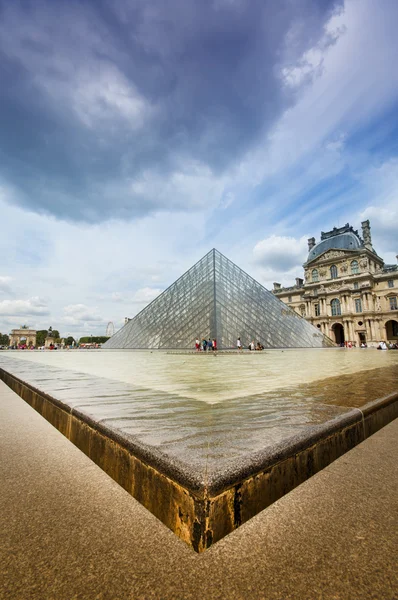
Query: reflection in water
[[204, 411], [213, 379]]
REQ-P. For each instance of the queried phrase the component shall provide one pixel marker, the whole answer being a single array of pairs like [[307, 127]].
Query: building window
[[333, 272], [316, 309], [354, 267], [390, 283], [315, 276], [393, 303], [289, 299], [336, 307], [356, 285], [358, 305]]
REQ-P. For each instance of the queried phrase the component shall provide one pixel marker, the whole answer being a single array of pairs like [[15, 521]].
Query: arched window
[[333, 272], [336, 308], [354, 267], [314, 275]]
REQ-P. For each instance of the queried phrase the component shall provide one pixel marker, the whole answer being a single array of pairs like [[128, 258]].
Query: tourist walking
[[239, 344], [214, 345], [204, 344], [197, 344]]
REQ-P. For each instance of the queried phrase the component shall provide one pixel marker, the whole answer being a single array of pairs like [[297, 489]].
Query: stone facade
[[348, 292], [25, 336]]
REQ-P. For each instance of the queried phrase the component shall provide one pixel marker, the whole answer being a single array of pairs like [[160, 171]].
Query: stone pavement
[[68, 531]]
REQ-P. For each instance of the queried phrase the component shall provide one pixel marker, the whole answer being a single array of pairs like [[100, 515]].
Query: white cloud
[[31, 307], [141, 297], [145, 295], [101, 94], [279, 253], [80, 313], [5, 284], [191, 185]]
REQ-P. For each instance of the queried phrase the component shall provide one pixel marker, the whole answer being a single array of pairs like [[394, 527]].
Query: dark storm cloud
[[96, 96]]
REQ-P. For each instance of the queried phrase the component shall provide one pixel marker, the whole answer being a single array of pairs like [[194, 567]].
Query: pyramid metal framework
[[217, 299]]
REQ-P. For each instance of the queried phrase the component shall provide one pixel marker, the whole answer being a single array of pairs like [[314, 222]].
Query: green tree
[[94, 339], [40, 337], [69, 340], [4, 339]]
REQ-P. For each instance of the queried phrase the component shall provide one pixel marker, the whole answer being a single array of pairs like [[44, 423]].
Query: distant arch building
[[23, 336], [348, 292]]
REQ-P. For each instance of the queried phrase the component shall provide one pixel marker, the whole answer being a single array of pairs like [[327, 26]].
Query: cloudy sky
[[135, 136]]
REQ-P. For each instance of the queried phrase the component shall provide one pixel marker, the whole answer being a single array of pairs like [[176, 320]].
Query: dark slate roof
[[343, 241]]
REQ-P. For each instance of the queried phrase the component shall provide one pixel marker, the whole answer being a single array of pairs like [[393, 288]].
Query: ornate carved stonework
[[334, 287], [375, 314], [344, 266], [333, 254]]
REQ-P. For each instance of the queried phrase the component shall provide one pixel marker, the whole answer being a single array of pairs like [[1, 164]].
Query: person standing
[[204, 344], [214, 345], [197, 344], [210, 344], [239, 344]]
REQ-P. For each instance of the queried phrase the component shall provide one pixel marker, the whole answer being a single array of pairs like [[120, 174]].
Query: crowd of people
[[391, 346], [206, 345]]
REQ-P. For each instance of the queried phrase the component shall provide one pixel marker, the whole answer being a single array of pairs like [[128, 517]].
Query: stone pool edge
[[203, 512]]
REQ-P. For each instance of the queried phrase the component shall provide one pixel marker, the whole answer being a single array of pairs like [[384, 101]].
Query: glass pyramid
[[216, 299]]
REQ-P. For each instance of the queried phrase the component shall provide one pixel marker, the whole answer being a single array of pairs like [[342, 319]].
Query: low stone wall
[[201, 513]]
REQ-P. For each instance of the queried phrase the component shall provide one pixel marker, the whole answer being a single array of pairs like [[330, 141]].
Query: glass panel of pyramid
[[217, 299]]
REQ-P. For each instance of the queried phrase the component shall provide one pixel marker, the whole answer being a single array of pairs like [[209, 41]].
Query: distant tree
[[4, 339], [40, 337], [69, 340], [94, 339], [56, 334]]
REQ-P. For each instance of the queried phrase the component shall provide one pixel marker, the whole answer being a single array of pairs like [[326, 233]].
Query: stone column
[[377, 330], [351, 330], [372, 329]]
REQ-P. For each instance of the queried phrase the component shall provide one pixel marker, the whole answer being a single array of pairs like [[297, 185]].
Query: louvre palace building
[[348, 292]]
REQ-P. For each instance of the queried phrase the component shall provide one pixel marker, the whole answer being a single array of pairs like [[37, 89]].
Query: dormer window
[[354, 267], [333, 272]]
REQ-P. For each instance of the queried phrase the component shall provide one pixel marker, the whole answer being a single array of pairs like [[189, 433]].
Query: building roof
[[347, 240]]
